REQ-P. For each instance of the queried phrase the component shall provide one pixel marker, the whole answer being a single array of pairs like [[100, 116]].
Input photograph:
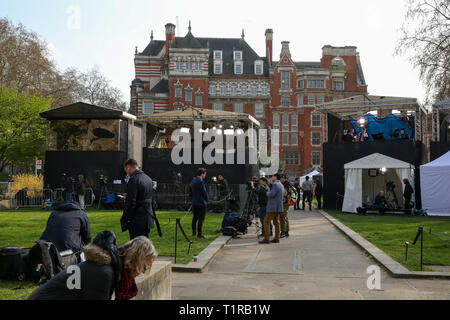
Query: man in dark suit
[[138, 214], [199, 202]]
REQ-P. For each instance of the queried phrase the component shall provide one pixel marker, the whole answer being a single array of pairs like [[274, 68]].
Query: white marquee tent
[[310, 175], [359, 186], [435, 186]]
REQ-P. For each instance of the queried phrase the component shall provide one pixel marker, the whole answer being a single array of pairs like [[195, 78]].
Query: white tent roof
[[443, 161], [376, 161]]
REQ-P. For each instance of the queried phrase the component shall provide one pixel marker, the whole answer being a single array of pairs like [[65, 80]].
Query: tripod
[[250, 210]]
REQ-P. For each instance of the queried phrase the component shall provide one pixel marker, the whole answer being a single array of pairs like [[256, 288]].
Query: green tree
[[22, 130]]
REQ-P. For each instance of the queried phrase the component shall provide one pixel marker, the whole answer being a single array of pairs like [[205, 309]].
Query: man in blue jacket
[[274, 209], [199, 202]]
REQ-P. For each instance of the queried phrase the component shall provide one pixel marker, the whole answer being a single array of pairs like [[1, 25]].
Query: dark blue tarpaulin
[[390, 128]]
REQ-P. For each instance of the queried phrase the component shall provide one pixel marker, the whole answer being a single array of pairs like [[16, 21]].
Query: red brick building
[[227, 74]]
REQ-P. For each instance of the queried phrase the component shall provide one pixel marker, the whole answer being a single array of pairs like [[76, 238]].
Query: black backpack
[[13, 263], [230, 232], [44, 262]]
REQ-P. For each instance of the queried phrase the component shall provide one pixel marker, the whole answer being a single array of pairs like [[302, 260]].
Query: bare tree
[[425, 35], [96, 89], [26, 65]]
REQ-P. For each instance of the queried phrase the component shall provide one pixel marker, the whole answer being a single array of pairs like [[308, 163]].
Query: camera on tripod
[[390, 185], [103, 180]]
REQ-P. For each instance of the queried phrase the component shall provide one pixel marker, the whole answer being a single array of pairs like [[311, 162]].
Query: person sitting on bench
[[380, 202], [68, 228]]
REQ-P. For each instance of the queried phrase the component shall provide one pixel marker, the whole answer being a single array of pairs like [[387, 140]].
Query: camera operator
[[380, 202], [407, 194], [261, 190]]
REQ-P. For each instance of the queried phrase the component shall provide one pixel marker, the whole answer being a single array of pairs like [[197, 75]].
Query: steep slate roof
[[161, 87], [189, 41], [153, 48]]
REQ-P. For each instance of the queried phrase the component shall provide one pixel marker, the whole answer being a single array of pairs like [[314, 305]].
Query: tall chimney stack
[[170, 36], [269, 50]]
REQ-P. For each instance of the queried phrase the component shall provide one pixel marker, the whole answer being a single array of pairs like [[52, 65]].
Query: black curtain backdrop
[[336, 155], [158, 164], [438, 149]]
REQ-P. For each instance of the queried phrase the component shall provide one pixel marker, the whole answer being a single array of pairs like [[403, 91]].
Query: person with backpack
[[107, 270], [68, 228]]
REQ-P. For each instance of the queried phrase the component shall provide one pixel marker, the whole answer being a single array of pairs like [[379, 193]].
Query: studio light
[[239, 132], [185, 130], [219, 132], [362, 122], [383, 170], [229, 132]]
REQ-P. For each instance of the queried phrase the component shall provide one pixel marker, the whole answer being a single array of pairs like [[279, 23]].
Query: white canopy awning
[[377, 161], [354, 177], [434, 186]]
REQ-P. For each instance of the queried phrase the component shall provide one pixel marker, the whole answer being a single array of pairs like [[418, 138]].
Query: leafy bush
[[30, 181]]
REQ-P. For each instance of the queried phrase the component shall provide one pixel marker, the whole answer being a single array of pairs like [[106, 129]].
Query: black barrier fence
[[336, 155], [438, 149]]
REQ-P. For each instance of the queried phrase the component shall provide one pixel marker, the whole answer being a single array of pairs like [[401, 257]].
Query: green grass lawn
[[24, 226], [389, 234]]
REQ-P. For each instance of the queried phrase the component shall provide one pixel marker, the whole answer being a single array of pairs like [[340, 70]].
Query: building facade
[[227, 74]]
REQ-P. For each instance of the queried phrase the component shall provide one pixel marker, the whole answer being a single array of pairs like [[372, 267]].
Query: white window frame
[[301, 100], [235, 54], [288, 160], [218, 64], [259, 110], [283, 83], [259, 64], [144, 108], [311, 97], [276, 121], [312, 83], [283, 99], [199, 96], [264, 90], [241, 64], [294, 122], [233, 90], [294, 139], [314, 122], [216, 106], [242, 91], [178, 92], [212, 89], [313, 133], [223, 90], [254, 90], [301, 84], [285, 122], [188, 93], [285, 142], [221, 54], [320, 99], [312, 158], [241, 107], [340, 81]]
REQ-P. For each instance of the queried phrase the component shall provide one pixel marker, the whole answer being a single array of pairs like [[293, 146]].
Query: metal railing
[[29, 198]]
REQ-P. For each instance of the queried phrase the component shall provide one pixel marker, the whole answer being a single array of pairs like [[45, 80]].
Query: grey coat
[[275, 198]]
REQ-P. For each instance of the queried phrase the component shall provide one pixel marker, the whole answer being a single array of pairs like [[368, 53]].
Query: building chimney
[[170, 36], [269, 50], [285, 49]]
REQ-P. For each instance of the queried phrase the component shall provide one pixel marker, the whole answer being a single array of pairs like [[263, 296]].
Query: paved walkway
[[316, 262]]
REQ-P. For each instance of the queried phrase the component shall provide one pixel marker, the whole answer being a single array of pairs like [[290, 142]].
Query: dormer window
[[237, 55], [217, 55], [258, 67], [217, 67], [238, 68]]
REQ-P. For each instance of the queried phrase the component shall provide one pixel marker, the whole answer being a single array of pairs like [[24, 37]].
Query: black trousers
[[139, 227], [307, 197], [197, 221], [297, 203], [319, 201], [408, 202]]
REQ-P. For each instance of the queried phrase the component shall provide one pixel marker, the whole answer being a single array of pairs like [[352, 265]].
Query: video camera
[[390, 185]]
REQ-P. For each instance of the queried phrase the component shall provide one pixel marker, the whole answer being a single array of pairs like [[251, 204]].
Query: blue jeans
[[262, 215]]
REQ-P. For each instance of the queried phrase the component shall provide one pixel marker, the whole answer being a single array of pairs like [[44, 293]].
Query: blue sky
[[109, 30]]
